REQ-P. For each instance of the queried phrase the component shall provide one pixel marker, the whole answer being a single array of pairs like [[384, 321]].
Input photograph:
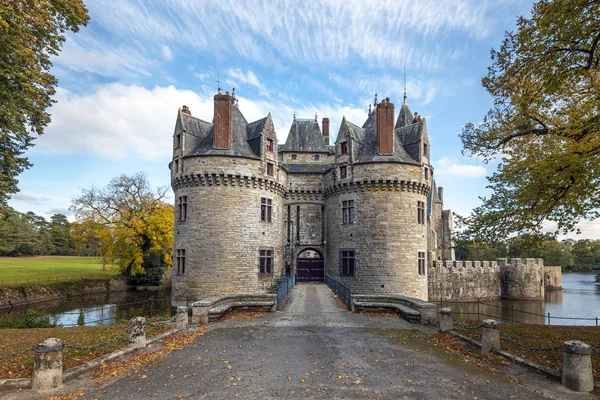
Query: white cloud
[[166, 52], [29, 198], [588, 230], [450, 168], [238, 78], [327, 31], [121, 122]]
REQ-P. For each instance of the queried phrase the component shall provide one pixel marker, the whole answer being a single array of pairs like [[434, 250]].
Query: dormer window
[[293, 157], [344, 148], [343, 172], [425, 150], [270, 169], [178, 140], [270, 144], [316, 157]]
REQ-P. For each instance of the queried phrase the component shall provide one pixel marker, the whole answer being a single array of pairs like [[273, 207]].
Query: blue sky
[[123, 77]]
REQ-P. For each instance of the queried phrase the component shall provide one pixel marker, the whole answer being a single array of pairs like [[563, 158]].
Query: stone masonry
[[247, 209]]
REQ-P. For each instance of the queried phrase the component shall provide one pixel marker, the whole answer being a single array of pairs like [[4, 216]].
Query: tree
[[31, 31], [137, 224], [544, 125], [59, 233]]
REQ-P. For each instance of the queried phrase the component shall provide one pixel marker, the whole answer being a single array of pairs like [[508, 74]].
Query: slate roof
[[306, 168], [411, 136], [365, 144], [305, 137], [239, 145], [405, 117], [255, 128]]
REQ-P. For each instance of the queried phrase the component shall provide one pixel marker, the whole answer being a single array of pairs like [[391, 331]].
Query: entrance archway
[[310, 266]]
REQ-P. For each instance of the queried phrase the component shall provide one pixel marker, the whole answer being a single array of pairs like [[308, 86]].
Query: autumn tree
[[544, 127], [31, 32], [133, 221]]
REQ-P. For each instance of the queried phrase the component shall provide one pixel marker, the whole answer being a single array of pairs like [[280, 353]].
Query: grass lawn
[[21, 366], [50, 268], [544, 336]]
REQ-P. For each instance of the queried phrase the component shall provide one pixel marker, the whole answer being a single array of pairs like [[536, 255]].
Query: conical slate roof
[[305, 137], [405, 117]]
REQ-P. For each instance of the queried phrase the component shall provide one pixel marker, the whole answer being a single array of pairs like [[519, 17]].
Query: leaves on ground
[[242, 315]]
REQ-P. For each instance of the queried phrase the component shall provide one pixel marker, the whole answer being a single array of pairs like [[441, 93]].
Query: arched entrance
[[310, 266]]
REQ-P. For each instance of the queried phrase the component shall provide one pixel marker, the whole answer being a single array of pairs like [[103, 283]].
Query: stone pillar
[[181, 321], [577, 366], [48, 365], [137, 332], [446, 321], [490, 336], [199, 314]]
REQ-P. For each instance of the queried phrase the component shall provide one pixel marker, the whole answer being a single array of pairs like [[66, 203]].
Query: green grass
[[21, 270]]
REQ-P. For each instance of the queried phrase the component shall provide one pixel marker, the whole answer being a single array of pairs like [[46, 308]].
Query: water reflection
[[101, 309], [578, 303]]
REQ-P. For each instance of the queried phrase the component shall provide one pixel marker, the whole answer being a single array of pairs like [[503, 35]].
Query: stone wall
[[461, 280], [520, 279], [385, 235], [553, 277]]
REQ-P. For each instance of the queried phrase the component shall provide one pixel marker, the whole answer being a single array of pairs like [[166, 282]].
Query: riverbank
[[25, 295]]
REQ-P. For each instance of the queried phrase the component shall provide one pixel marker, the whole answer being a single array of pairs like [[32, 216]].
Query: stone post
[[137, 332], [48, 365], [577, 366], [181, 321], [446, 321], [490, 336]]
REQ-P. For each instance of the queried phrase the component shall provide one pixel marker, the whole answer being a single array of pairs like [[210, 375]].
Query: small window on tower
[[270, 169], [265, 262], [293, 156], [343, 172], [348, 211], [180, 261], [347, 263], [175, 165], [178, 140], [266, 208], [316, 157], [270, 144], [426, 174], [344, 147], [425, 150], [421, 263], [182, 208], [421, 212]]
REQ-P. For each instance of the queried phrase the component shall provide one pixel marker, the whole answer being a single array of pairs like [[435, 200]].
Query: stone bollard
[[446, 321], [48, 365], [577, 366], [490, 336], [137, 332], [181, 321]]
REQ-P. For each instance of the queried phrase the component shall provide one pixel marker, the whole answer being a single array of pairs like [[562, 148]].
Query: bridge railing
[[283, 289], [342, 291]]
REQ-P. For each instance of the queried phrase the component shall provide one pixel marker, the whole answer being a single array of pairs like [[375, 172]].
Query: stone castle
[[364, 209]]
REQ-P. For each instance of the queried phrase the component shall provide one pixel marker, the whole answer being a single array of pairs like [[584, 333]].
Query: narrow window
[[180, 261], [316, 157], [265, 209], [343, 172], [344, 147], [293, 156], [182, 208], [265, 260], [270, 144], [175, 165], [269, 169], [347, 263], [426, 174], [298, 224], [420, 212], [425, 150], [421, 263], [178, 140], [348, 211], [289, 224]]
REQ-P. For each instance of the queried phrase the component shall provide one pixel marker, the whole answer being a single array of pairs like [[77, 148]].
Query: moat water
[[578, 303]]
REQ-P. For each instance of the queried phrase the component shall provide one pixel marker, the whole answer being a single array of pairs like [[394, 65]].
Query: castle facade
[[248, 210]]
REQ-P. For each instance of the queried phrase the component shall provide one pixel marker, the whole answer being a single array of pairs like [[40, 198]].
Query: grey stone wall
[[552, 277], [522, 278]]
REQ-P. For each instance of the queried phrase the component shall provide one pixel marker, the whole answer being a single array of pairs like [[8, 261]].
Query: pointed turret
[[405, 117]]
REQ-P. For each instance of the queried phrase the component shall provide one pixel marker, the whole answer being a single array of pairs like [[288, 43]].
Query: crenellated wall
[[464, 280]]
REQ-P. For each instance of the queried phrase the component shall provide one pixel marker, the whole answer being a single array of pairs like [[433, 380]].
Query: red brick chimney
[[326, 130], [186, 110], [223, 120], [385, 127]]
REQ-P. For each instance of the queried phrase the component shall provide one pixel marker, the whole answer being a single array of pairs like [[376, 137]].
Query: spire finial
[[404, 83], [316, 117], [219, 81], [375, 103], [233, 93], [369, 109], [294, 115]]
